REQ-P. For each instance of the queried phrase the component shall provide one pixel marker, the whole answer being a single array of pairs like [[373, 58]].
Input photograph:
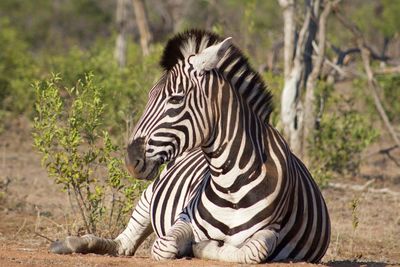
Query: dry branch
[[343, 53], [388, 70], [364, 188], [45, 237], [382, 151]]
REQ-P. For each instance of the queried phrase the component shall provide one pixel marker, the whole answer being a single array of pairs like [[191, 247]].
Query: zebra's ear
[[209, 58]]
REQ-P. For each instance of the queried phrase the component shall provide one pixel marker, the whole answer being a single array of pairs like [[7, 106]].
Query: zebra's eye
[[176, 99]]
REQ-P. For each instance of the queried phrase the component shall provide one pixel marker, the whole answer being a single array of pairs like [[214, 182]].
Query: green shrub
[[336, 147], [124, 90], [79, 155], [391, 95], [17, 70]]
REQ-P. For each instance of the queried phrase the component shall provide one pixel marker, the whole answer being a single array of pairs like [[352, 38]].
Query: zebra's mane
[[234, 63]]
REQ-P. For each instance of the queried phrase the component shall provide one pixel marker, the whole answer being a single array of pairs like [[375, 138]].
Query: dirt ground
[[32, 209]]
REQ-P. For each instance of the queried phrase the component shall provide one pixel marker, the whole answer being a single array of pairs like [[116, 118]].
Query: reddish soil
[[32, 208]]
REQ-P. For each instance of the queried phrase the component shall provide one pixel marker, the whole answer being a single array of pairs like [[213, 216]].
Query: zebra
[[248, 198]]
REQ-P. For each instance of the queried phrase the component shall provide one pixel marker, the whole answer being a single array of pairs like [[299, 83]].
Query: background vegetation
[[57, 59]]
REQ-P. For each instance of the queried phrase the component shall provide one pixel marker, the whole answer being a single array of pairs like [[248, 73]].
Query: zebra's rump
[[305, 230]]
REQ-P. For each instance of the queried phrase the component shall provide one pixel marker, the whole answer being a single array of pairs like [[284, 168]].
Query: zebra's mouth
[[138, 165], [145, 170]]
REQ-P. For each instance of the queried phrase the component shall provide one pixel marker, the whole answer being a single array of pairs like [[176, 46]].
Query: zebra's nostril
[[134, 159]]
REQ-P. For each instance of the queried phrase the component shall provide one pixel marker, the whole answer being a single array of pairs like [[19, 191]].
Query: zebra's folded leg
[[176, 243], [255, 250], [138, 228], [84, 244]]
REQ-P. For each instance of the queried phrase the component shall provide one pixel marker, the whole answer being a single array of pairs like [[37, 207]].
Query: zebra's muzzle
[[137, 164]]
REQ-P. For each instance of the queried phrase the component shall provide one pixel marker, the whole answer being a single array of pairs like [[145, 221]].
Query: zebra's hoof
[[59, 247], [164, 249], [70, 245], [203, 249]]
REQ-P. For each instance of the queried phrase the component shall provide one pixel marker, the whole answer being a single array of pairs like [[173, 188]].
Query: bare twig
[[382, 151], [393, 159], [20, 229], [386, 151], [53, 222], [343, 53], [78, 197], [42, 236]]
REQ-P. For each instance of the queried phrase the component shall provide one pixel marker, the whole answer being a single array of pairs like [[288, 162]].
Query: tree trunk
[[291, 104], [309, 101], [143, 25], [298, 113], [122, 25], [289, 31]]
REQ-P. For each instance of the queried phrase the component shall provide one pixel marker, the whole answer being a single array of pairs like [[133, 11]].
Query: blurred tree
[[52, 25], [379, 17], [143, 25], [289, 28], [122, 30], [301, 70]]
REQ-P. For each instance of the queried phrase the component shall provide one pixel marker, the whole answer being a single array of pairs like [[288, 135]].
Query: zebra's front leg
[[255, 250], [176, 243], [138, 228]]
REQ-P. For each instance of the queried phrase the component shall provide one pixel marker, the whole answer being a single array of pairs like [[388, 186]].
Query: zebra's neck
[[247, 82], [236, 149]]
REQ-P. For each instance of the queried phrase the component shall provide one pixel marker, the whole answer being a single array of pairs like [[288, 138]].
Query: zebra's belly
[[233, 226]]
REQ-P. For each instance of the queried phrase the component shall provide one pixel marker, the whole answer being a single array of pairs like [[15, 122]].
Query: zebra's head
[[179, 114]]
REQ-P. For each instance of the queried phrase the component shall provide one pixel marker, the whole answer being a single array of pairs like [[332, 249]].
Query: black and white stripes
[[254, 200], [232, 190]]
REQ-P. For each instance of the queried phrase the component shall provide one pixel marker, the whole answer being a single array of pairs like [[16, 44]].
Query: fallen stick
[[364, 188], [42, 236], [20, 229]]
